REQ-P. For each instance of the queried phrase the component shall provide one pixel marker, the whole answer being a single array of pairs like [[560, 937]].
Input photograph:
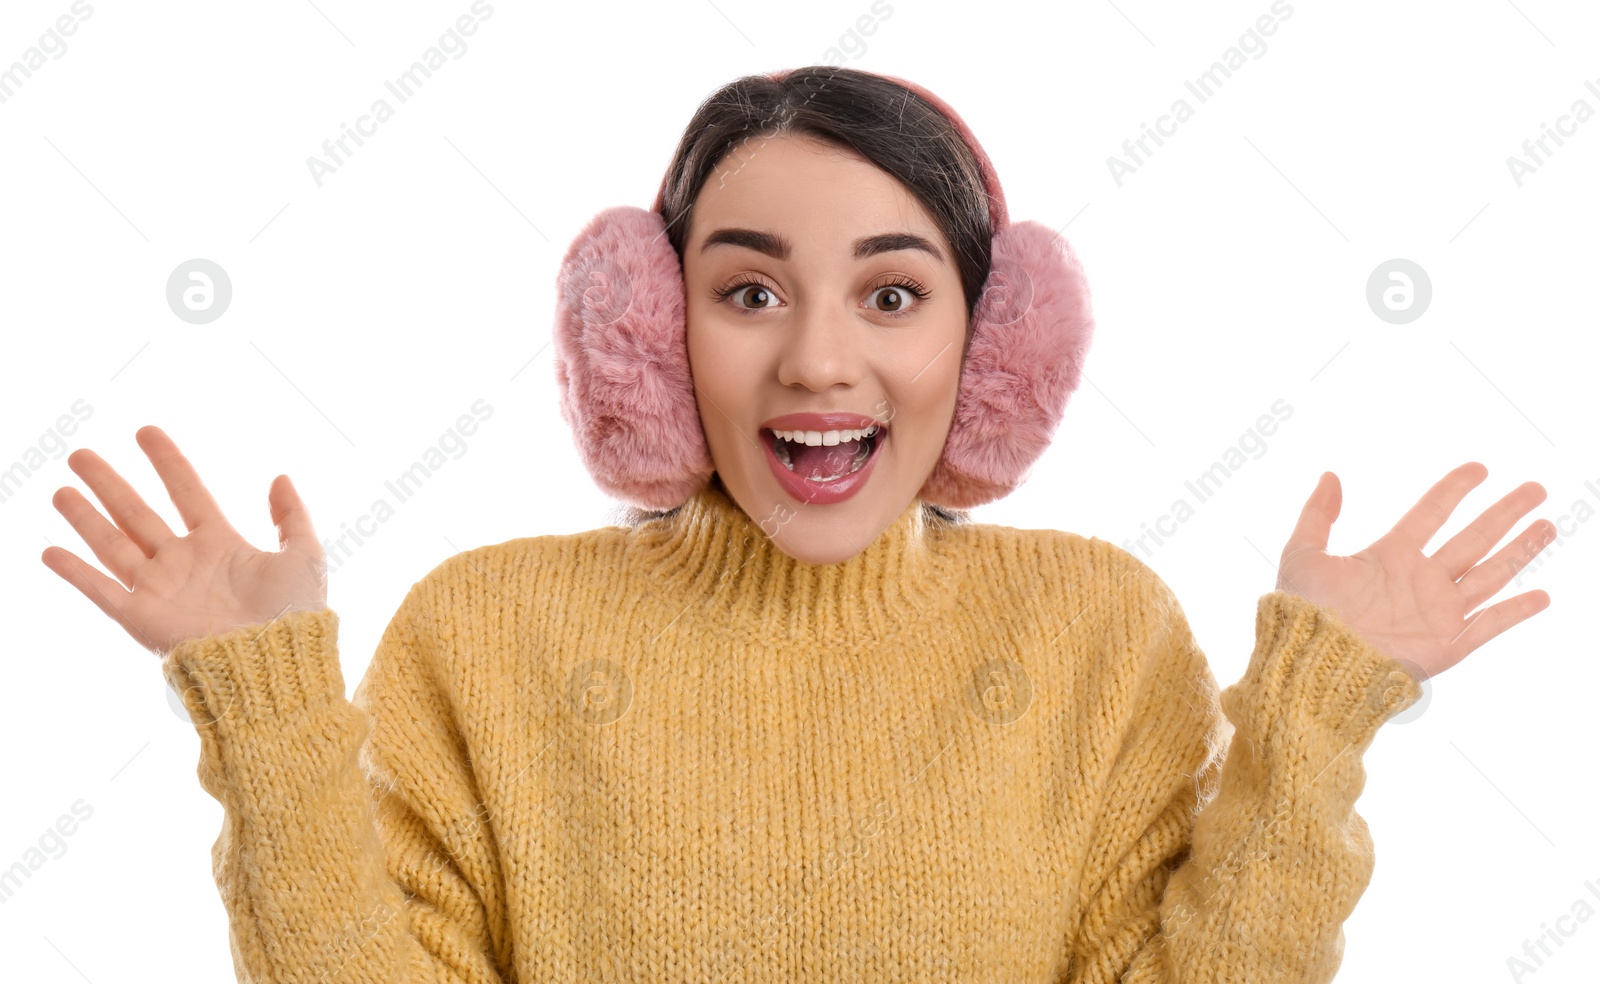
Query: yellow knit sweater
[[672, 752]]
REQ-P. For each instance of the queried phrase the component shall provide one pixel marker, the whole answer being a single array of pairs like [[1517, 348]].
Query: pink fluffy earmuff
[[622, 356]]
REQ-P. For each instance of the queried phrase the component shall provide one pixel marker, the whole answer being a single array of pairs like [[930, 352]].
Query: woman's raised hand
[[1414, 607], [184, 587]]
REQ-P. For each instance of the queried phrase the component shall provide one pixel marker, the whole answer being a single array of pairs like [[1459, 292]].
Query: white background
[[1228, 272]]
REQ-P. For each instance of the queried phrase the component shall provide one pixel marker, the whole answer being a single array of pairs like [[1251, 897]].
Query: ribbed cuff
[[1309, 668], [235, 681]]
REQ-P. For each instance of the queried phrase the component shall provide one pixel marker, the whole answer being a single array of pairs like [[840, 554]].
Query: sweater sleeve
[[342, 858], [1229, 849]]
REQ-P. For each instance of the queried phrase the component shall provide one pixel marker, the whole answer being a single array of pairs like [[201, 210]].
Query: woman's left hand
[[1410, 606]]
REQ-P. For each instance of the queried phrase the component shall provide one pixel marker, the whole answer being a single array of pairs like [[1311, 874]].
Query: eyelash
[[916, 289]]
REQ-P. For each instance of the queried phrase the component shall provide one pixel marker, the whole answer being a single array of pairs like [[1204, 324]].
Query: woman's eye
[[752, 296], [892, 299]]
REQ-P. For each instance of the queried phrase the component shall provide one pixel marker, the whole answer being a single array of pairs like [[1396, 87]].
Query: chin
[[835, 533], [814, 548]]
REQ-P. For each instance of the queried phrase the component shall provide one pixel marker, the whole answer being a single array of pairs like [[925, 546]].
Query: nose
[[822, 347]]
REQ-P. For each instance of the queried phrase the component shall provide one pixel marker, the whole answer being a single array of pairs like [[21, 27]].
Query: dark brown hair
[[888, 125]]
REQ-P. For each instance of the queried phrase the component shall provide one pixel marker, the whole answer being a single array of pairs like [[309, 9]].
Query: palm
[[167, 587], [1411, 606], [209, 580]]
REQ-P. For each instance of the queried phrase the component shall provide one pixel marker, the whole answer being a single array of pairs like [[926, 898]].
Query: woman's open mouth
[[820, 472]]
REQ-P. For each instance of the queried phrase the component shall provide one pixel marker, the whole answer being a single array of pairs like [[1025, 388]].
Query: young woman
[[801, 719]]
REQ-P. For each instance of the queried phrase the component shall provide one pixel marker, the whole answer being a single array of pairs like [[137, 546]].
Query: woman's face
[[797, 262]]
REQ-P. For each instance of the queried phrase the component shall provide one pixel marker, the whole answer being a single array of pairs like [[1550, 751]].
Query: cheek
[[938, 389], [938, 383], [700, 331], [724, 377], [923, 409]]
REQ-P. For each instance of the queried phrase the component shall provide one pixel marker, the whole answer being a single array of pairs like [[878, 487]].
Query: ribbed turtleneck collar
[[721, 562]]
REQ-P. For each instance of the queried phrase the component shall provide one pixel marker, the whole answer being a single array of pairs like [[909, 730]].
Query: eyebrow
[[779, 248]]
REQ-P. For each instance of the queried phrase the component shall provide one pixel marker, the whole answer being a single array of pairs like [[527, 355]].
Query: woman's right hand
[[184, 587]]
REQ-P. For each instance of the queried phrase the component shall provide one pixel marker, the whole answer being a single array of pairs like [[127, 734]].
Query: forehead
[[811, 191]]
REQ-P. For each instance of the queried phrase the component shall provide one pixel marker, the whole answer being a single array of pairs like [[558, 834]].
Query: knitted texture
[[672, 752]]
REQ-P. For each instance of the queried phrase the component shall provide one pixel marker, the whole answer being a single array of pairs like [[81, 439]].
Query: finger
[[291, 517], [1469, 546], [194, 503], [130, 512], [121, 555], [106, 593], [1497, 618], [1482, 582], [1423, 520], [1316, 517]]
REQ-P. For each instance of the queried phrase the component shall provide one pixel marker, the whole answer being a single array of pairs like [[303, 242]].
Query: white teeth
[[830, 438], [825, 438]]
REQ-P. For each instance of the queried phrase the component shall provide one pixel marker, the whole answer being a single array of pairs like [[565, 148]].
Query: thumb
[[290, 516], [1316, 517]]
